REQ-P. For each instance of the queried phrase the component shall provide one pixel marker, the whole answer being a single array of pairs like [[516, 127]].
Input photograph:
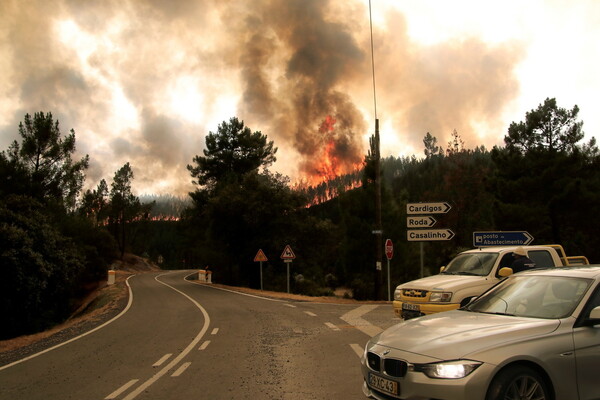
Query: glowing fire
[[332, 159]]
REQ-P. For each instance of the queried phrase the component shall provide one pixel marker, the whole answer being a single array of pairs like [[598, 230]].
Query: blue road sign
[[501, 238]]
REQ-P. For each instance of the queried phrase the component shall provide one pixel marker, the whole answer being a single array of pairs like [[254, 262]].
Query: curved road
[[182, 340]]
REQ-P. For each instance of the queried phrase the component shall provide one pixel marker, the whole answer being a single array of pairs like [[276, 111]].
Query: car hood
[[444, 282], [456, 334]]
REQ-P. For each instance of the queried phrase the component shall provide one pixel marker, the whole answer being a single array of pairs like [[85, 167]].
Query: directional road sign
[[427, 208], [501, 238], [429, 235], [420, 222]]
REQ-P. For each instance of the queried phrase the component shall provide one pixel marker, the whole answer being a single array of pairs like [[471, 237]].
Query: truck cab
[[467, 276]]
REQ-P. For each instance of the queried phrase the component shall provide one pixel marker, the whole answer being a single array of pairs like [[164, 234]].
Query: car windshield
[[533, 296], [479, 264]]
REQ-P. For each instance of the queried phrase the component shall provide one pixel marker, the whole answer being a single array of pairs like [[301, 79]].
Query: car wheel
[[518, 383]]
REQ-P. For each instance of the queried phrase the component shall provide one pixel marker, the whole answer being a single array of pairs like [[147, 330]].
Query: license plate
[[383, 385], [411, 307]]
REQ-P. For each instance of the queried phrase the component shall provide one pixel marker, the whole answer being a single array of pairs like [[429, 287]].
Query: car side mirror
[[594, 318], [442, 268], [504, 272]]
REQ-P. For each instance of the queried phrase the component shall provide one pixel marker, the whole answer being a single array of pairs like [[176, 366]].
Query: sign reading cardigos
[[427, 208], [501, 238], [429, 235]]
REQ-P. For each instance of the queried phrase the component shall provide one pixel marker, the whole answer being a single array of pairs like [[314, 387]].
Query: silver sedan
[[536, 335]]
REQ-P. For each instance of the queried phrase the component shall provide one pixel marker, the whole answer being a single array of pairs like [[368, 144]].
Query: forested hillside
[[58, 241]]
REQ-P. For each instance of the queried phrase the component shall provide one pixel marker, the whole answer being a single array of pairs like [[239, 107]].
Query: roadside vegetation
[[58, 241]]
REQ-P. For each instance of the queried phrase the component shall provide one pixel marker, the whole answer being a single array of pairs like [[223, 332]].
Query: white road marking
[[289, 305], [120, 390], [80, 336], [297, 330], [241, 293], [162, 360], [357, 349], [354, 318], [181, 355], [214, 331], [204, 345], [181, 369], [332, 326], [310, 313]]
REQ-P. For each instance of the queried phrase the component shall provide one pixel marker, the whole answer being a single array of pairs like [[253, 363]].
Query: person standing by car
[[521, 262]]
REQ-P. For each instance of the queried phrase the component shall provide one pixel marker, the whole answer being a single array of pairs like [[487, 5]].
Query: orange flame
[[329, 162]]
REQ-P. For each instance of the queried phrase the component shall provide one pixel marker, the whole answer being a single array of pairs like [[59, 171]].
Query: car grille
[[395, 368], [414, 293], [389, 366]]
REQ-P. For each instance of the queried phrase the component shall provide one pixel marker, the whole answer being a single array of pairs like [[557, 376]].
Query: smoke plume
[[143, 81]]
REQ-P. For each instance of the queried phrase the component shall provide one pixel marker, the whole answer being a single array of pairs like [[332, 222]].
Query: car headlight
[[397, 294], [448, 369], [440, 296]]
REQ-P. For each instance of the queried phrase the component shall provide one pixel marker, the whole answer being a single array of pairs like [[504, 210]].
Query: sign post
[[288, 256], [260, 257], [389, 253], [416, 219]]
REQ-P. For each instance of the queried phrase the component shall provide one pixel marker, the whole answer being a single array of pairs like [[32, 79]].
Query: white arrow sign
[[427, 208], [429, 235], [420, 222]]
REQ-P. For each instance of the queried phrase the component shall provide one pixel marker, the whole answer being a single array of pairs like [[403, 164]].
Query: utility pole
[[378, 227], [375, 147]]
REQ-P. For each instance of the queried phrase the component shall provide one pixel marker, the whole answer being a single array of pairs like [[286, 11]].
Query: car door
[[587, 353]]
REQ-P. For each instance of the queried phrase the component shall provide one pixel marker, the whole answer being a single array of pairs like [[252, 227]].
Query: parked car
[[535, 335], [468, 275]]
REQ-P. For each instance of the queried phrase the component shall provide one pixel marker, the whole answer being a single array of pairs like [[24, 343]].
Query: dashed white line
[[120, 390], [310, 313], [181, 369], [289, 305], [162, 360], [181, 355], [214, 331], [204, 345], [332, 326]]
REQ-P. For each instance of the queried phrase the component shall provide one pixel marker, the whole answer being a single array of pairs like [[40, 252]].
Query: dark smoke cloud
[[289, 65]]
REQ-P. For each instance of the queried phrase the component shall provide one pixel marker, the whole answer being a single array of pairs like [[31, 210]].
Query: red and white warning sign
[[288, 254]]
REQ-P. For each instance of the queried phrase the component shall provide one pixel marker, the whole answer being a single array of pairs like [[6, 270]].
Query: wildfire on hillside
[[335, 156]]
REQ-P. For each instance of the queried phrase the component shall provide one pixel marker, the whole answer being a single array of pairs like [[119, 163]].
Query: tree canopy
[[231, 152], [44, 158], [547, 128]]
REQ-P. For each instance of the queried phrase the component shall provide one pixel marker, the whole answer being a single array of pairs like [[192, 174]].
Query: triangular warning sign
[[260, 256], [288, 254]]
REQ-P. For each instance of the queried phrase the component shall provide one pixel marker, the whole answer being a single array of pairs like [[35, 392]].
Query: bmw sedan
[[535, 335]]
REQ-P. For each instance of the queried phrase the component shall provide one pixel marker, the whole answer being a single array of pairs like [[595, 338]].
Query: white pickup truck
[[468, 275]]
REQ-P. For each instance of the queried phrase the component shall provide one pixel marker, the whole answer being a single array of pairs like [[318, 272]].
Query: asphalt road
[[181, 340]]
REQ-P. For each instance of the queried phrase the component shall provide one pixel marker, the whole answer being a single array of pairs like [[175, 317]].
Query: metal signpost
[[288, 256], [389, 253], [501, 238], [260, 257]]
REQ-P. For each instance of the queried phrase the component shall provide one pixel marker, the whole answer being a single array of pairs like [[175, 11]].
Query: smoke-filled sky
[[143, 81]]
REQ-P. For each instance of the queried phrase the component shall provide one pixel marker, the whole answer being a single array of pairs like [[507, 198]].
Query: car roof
[[498, 249], [587, 271]]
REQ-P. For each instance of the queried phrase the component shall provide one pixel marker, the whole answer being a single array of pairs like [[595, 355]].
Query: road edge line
[[129, 302]]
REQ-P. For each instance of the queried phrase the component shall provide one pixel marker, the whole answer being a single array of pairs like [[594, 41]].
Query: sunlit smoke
[[144, 81]]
